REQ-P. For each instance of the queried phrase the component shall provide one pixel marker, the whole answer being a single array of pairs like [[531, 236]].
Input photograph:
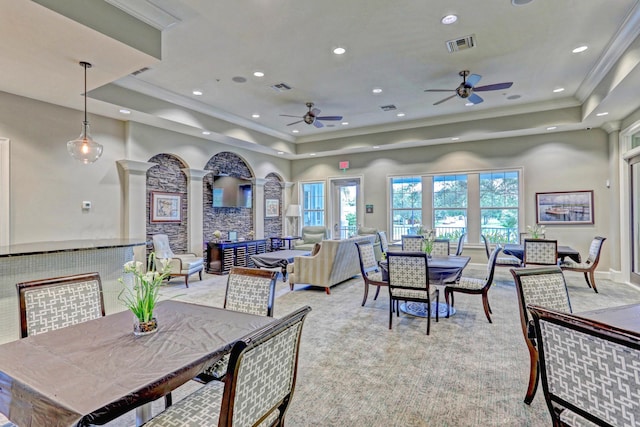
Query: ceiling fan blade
[[446, 99], [315, 112], [473, 80], [475, 99], [318, 124], [289, 115], [329, 118], [295, 122], [497, 86], [439, 90]]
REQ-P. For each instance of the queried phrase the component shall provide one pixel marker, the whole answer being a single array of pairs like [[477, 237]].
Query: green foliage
[[143, 296], [351, 219]]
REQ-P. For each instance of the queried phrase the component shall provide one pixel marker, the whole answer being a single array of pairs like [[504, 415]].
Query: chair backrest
[[261, 374], [540, 252], [486, 245], [460, 246], [491, 264], [50, 304], [367, 258], [408, 270], [589, 370], [411, 243], [441, 247], [315, 230], [595, 249], [384, 242], [542, 286], [161, 246], [250, 290]]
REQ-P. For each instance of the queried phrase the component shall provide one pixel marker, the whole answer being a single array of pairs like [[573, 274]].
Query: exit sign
[[343, 165]]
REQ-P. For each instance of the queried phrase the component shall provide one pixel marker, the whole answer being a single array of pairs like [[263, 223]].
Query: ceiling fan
[[468, 87], [311, 117]]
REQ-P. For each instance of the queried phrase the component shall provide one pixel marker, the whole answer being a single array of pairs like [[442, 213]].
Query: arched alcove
[[273, 191]]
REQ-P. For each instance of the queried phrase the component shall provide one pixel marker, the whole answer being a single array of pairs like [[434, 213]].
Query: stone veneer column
[[133, 175], [195, 238], [258, 209]]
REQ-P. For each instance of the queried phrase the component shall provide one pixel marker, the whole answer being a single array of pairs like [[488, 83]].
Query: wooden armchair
[[540, 252], [412, 243], [371, 274], [441, 247], [589, 266], [502, 261]]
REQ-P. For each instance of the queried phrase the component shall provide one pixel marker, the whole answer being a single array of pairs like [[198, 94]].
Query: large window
[[499, 206], [313, 203], [450, 205], [406, 205]]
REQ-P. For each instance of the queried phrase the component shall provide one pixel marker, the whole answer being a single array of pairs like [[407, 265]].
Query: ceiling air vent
[[140, 71], [281, 87], [463, 43], [389, 107]]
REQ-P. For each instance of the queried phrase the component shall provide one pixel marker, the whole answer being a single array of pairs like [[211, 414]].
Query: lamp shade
[[294, 211], [84, 148]]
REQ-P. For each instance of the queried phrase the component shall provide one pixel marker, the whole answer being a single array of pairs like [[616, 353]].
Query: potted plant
[[536, 231], [141, 298], [427, 243]]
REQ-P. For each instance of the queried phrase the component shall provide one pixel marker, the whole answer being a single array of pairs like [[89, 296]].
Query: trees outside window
[[406, 205]]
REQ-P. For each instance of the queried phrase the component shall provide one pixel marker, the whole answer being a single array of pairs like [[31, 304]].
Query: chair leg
[[437, 306], [186, 280], [592, 275], [168, 400], [428, 316], [485, 303], [447, 292], [533, 374], [366, 293], [586, 279], [200, 274], [377, 292], [391, 302], [488, 306]]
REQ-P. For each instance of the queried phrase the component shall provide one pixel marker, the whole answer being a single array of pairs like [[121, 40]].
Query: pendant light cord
[[85, 65]]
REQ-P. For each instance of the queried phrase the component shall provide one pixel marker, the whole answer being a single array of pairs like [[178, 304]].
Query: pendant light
[[84, 148]]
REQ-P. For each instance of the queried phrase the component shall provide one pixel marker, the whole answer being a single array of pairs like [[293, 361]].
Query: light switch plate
[[86, 205]]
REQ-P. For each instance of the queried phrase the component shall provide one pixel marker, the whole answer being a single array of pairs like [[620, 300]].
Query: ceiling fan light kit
[[312, 118], [468, 87]]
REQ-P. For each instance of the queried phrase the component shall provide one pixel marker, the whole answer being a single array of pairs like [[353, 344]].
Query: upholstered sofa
[[311, 234], [335, 262]]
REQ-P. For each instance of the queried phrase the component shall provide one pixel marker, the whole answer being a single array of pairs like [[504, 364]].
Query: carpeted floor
[[354, 372]]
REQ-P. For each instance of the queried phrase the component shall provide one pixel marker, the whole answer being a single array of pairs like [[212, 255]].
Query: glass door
[[634, 179], [345, 207]]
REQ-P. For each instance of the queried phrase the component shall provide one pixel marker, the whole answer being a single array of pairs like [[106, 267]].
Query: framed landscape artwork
[[165, 207], [565, 207], [271, 208]]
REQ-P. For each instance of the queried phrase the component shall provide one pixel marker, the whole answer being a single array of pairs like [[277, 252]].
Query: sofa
[[335, 262], [311, 234]]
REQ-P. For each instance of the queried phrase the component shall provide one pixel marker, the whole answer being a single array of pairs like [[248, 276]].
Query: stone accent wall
[[273, 190], [226, 219], [169, 178]]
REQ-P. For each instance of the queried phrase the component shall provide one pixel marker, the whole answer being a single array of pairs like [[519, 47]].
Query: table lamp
[[294, 211]]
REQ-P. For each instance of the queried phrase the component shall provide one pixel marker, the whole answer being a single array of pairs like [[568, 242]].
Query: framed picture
[[165, 207], [271, 208], [565, 207]]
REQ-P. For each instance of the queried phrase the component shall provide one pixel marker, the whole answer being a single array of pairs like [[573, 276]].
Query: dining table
[[626, 317], [517, 251], [441, 270], [93, 372]]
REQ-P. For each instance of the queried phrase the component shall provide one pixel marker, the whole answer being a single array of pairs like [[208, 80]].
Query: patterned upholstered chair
[[409, 281], [502, 261], [460, 245], [259, 387], [441, 247], [412, 243], [180, 264], [589, 266], [542, 286], [540, 252], [50, 304], [589, 370], [384, 242], [472, 285], [249, 290], [371, 274]]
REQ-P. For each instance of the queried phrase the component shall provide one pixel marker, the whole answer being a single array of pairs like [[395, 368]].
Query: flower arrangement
[[142, 297], [251, 234], [427, 243], [217, 234], [536, 231]]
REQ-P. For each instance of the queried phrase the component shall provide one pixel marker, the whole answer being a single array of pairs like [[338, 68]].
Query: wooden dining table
[[563, 251], [626, 317], [93, 372]]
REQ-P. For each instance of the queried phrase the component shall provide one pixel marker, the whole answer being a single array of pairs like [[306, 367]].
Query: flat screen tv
[[231, 192]]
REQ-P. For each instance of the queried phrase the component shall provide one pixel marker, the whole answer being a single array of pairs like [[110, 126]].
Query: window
[[449, 206], [499, 206], [313, 203], [406, 205]]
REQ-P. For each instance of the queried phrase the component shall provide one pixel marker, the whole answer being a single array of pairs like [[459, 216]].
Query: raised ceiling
[[398, 46]]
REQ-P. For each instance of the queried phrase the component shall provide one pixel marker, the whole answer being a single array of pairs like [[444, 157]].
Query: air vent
[[281, 87], [140, 71], [389, 107], [463, 43]]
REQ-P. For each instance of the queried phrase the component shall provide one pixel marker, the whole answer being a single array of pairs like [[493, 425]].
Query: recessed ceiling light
[[255, 115], [339, 50], [558, 90], [258, 73], [580, 49], [295, 131], [123, 111], [280, 152], [312, 154], [400, 115], [206, 132], [449, 19], [376, 146], [344, 123], [455, 138], [197, 92], [552, 127], [602, 114], [376, 90], [469, 104]]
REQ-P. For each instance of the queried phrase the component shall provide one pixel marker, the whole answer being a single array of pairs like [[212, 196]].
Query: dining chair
[[384, 243], [542, 286], [540, 252], [472, 285], [50, 304], [589, 370], [371, 274], [501, 261], [409, 281], [259, 384], [249, 290], [589, 266], [460, 245], [179, 264], [412, 243], [441, 247]]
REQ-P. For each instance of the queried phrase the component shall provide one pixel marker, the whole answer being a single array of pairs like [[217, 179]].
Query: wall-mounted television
[[231, 192]]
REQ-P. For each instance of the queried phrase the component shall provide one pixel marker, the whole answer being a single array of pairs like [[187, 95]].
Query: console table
[[221, 256]]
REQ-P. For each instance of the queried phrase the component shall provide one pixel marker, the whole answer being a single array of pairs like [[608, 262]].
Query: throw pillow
[[313, 238]]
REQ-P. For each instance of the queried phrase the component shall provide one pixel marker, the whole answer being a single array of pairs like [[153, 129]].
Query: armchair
[[180, 264], [311, 234], [589, 266]]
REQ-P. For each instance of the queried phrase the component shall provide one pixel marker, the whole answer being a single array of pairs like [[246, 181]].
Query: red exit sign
[[343, 165]]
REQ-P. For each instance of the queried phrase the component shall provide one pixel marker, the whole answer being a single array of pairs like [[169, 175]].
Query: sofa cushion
[[312, 238]]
